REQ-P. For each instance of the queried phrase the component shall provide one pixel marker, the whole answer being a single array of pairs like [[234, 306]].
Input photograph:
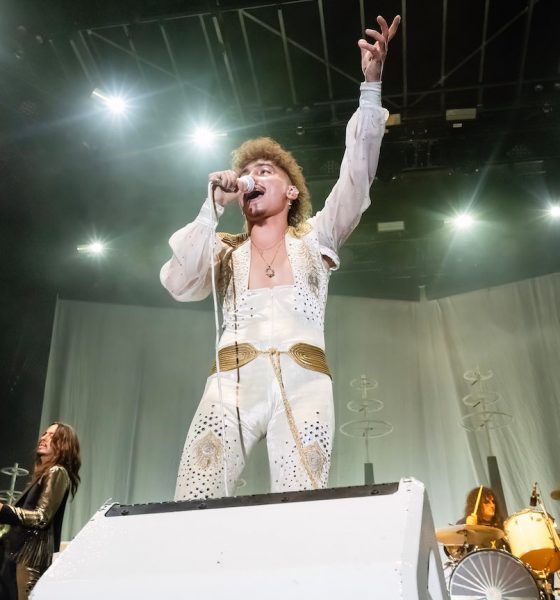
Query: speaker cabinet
[[371, 542]]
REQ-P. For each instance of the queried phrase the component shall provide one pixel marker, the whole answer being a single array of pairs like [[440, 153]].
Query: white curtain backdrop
[[129, 379]]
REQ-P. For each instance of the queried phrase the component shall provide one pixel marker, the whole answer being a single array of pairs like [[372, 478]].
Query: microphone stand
[[548, 521]]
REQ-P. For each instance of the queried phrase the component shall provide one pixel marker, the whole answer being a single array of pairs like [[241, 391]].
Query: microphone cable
[[249, 184], [211, 188]]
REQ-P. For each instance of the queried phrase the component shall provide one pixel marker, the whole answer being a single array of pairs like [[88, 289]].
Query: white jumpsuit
[[291, 405]]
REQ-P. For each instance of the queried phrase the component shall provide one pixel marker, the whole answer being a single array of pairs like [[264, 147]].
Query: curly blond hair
[[268, 149]]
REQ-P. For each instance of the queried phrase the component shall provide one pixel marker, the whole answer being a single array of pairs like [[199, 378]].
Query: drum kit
[[519, 564]]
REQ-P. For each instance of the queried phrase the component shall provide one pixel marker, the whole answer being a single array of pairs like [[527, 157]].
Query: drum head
[[533, 539], [490, 575]]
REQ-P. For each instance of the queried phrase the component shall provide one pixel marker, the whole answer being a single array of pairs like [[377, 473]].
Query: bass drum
[[492, 574]]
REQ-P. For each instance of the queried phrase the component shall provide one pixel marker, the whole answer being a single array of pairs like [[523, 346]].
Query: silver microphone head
[[246, 184]]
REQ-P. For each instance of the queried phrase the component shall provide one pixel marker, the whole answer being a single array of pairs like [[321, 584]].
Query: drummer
[[487, 513]]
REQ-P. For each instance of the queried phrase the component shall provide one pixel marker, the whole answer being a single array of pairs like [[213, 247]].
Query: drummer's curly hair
[[487, 494], [268, 149]]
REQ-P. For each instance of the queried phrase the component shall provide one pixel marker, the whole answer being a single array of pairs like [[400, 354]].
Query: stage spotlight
[[204, 137], [554, 211], [117, 105], [95, 248], [461, 221]]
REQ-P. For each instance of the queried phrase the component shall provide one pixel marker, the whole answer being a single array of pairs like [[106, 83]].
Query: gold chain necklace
[[269, 271]]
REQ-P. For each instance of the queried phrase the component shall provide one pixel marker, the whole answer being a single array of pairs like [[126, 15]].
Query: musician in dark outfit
[[488, 513], [36, 518]]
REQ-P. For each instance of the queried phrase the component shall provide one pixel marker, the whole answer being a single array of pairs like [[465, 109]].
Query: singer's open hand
[[227, 180], [373, 55]]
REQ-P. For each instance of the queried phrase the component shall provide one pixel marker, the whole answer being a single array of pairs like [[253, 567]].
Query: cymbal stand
[[483, 419], [547, 519], [365, 427], [10, 495]]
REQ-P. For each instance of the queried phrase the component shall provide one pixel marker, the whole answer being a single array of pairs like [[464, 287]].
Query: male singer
[[273, 378]]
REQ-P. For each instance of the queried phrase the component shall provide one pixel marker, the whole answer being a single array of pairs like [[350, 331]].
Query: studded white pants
[[212, 444]]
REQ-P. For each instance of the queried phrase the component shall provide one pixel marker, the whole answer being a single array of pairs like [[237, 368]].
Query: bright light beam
[[204, 137], [461, 221], [117, 105], [554, 211], [95, 248]]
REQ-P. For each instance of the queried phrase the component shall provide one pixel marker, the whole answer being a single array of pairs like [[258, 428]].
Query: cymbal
[[468, 534], [17, 471], [555, 494]]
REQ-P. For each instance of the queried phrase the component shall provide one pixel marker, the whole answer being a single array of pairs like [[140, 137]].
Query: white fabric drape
[[129, 378]]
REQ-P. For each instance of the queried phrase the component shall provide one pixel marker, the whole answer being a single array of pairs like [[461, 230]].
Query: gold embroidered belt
[[307, 356]]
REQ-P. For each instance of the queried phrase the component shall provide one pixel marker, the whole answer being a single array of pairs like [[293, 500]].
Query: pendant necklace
[[270, 272]]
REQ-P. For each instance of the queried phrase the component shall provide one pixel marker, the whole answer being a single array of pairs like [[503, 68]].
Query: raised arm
[[349, 197]]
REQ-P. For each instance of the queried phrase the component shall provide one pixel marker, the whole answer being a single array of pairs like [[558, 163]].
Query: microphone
[[534, 495], [244, 184]]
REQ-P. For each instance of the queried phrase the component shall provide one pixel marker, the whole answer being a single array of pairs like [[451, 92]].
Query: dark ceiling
[[289, 69]]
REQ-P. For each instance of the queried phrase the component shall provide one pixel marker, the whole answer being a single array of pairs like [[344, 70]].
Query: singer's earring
[[289, 204]]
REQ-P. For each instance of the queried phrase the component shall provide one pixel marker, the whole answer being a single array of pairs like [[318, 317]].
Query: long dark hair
[[487, 494], [66, 452]]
